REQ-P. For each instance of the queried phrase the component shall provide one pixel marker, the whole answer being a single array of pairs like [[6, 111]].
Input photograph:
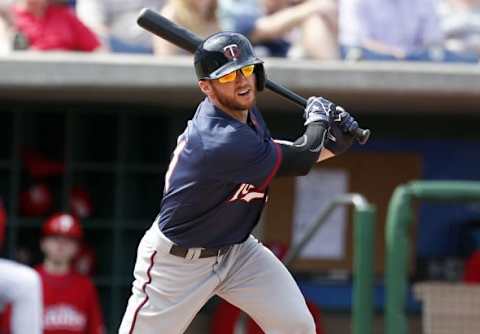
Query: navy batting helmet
[[225, 52]]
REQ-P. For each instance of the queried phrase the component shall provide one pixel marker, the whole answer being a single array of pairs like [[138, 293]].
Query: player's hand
[[319, 110], [340, 135]]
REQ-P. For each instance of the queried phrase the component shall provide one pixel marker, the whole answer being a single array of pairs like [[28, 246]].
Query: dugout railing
[[399, 218], [363, 252]]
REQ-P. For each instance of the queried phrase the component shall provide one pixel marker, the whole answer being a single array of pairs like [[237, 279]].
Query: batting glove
[[340, 136], [319, 110]]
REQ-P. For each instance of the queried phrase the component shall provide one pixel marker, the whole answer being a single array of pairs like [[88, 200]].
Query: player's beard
[[234, 103]]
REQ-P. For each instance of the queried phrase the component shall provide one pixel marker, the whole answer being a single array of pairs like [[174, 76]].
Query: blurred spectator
[[5, 28], [460, 21], [41, 25], [319, 35], [115, 22], [71, 3], [198, 16], [267, 22], [70, 299], [392, 30]]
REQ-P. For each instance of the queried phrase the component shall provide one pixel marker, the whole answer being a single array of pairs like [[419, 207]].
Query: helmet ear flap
[[260, 75]]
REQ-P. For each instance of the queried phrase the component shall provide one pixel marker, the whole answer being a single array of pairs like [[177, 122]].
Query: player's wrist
[[325, 154]]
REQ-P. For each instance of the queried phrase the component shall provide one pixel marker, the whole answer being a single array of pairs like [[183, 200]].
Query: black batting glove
[[319, 110], [340, 136]]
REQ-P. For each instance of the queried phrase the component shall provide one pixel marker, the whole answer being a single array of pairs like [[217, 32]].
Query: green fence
[[399, 217], [364, 242]]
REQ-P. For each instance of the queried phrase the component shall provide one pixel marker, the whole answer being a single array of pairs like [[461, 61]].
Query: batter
[[215, 189]]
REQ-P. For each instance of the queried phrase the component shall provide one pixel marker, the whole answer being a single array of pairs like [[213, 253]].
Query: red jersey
[[70, 304], [57, 29]]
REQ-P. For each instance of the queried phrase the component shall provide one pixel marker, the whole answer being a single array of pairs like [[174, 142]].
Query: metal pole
[[399, 218], [364, 239], [357, 200], [363, 254]]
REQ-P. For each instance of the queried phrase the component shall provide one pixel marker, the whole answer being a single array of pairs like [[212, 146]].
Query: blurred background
[[91, 106]]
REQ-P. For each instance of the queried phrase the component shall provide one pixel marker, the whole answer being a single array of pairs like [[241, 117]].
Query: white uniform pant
[[21, 287], [168, 290]]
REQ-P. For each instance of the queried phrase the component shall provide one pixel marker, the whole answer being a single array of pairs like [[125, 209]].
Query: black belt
[[205, 252]]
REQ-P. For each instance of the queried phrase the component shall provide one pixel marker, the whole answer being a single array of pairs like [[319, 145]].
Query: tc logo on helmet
[[232, 51]]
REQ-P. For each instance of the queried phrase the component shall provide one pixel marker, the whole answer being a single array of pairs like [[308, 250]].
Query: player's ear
[[205, 87]]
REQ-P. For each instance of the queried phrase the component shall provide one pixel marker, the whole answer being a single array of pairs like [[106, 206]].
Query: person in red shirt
[[42, 25], [70, 299]]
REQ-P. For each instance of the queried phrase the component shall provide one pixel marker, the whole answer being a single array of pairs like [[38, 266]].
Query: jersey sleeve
[[245, 158], [95, 320]]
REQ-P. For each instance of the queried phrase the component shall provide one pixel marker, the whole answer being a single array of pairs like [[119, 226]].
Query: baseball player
[[70, 299], [20, 294], [215, 189]]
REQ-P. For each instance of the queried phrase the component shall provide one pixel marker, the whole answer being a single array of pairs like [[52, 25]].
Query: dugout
[[113, 122]]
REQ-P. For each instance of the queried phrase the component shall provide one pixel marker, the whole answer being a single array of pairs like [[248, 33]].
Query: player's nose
[[240, 78]]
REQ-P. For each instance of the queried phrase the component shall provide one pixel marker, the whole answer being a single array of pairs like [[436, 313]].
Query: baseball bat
[[187, 40]]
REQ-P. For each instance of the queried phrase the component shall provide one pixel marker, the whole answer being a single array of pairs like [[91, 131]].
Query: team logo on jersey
[[247, 192], [64, 316], [232, 52]]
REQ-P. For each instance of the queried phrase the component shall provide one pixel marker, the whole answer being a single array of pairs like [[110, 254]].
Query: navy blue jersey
[[217, 182]]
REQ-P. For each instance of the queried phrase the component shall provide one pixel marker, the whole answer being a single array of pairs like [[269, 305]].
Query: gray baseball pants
[[168, 290]]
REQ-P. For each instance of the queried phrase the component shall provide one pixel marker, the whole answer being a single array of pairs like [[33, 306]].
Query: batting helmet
[[63, 224], [81, 202], [225, 52], [37, 200]]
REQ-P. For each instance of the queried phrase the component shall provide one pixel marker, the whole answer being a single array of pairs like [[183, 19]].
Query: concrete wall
[[367, 87]]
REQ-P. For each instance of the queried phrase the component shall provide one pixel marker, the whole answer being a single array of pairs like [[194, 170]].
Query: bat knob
[[362, 135]]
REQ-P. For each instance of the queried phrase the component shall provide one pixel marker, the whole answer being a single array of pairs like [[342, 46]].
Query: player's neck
[[55, 267], [239, 115]]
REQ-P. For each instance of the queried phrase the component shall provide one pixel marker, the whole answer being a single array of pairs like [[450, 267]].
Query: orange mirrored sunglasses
[[229, 77]]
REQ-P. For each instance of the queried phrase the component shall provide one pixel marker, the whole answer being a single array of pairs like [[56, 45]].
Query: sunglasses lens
[[228, 77], [248, 70]]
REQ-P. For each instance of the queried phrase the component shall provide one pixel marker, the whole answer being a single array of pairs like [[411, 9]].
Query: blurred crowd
[[354, 30], [48, 287]]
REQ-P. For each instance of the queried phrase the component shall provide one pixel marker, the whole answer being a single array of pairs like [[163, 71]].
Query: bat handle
[[361, 135]]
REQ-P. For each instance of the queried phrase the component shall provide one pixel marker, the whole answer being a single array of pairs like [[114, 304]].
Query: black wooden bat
[[187, 40]]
